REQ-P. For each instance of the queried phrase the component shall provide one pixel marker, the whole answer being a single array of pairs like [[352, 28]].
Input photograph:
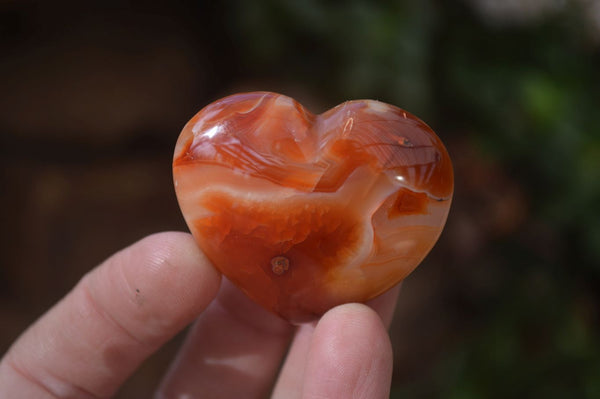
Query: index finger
[[116, 316]]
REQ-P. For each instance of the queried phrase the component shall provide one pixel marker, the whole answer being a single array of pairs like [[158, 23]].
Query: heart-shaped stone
[[304, 212]]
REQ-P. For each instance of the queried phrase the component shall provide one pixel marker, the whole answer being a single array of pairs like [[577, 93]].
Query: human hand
[[121, 312]]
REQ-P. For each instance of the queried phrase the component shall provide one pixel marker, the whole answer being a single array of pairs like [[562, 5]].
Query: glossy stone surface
[[304, 212]]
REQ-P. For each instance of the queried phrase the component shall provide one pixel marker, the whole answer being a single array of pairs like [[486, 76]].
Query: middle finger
[[234, 350]]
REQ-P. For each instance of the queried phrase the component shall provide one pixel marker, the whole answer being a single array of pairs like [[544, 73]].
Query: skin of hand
[[122, 311]]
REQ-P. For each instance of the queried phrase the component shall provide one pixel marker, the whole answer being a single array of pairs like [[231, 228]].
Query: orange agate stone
[[304, 212]]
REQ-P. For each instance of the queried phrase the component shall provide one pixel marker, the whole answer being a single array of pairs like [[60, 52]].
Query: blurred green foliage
[[527, 96]]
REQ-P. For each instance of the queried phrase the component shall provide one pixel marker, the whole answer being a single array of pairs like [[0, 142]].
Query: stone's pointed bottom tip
[[304, 212]]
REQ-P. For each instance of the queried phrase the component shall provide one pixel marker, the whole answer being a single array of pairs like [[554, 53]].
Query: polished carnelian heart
[[305, 212]]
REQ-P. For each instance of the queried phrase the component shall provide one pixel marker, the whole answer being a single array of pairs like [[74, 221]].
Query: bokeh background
[[93, 96]]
